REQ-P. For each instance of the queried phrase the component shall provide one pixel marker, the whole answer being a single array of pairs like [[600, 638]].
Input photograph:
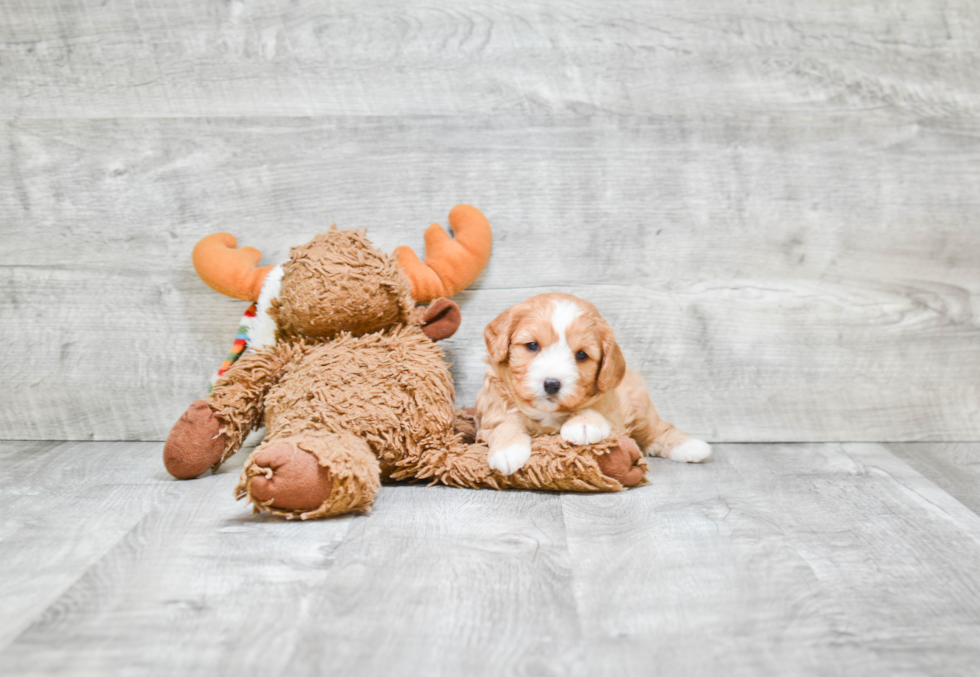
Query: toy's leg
[[610, 465], [311, 475], [623, 462]]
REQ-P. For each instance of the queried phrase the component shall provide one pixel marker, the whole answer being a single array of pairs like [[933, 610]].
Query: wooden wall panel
[[451, 57], [774, 203], [800, 280]]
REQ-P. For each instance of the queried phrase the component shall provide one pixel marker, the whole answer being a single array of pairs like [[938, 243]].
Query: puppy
[[554, 365]]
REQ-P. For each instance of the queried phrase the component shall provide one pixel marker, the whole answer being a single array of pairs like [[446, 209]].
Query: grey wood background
[[774, 202]]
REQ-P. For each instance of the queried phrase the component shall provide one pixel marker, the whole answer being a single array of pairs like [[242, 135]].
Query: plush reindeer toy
[[344, 373]]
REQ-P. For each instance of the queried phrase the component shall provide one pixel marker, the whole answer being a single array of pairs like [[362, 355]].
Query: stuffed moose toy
[[344, 373]]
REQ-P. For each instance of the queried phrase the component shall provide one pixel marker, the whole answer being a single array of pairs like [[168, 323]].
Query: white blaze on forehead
[[562, 315], [556, 361]]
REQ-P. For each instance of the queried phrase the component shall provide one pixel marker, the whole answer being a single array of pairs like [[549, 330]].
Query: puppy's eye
[[581, 356], [532, 346]]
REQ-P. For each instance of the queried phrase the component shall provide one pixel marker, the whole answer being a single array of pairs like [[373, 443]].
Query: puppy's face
[[555, 351]]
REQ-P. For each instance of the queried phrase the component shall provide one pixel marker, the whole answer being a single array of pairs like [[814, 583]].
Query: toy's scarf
[[239, 346], [257, 328]]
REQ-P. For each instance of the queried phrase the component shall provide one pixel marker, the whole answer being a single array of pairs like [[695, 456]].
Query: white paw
[[692, 451], [578, 431], [511, 458]]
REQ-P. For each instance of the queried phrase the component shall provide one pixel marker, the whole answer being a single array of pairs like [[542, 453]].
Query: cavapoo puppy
[[554, 365]]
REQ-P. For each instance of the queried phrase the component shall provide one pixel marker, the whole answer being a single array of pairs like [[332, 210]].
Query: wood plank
[[955, 467], [767, 560], [704, 363], [652, 200], [778, 559], [13, 454], [65, 505], [105, 358], [449, 57], [433, 581], [452, 582], [801, 278]]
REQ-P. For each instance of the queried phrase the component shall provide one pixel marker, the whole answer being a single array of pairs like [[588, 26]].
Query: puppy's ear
[[613, 365], [497, 336]]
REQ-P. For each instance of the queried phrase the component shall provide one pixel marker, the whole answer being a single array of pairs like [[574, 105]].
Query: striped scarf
[[238, 347]]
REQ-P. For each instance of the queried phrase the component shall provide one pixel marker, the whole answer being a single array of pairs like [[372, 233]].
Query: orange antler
[[230, 270], [451, 265]]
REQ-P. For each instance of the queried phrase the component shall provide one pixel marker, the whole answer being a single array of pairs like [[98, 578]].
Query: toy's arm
[[238, 398], [211, 430], [555, 465]]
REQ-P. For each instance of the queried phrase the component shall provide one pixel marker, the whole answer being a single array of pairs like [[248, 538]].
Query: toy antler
[[451, 265], [230, 270]]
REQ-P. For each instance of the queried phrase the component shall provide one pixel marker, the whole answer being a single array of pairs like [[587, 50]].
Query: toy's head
[[340, 282]]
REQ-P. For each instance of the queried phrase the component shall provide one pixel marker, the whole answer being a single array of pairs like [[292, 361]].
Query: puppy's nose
[[552, 385]]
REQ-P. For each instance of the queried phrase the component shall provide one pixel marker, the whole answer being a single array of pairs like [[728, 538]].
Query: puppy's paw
[[511, 458], [691, 451], [585, 430]]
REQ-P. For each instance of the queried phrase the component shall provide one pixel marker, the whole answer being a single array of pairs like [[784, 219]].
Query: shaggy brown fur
[[338, 282], [354, 392]]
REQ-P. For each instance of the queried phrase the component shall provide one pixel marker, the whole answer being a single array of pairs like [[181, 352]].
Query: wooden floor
[[772, 559]]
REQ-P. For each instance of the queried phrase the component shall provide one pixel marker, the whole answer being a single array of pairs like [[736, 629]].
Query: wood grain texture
[[954, 467], [388, 57], [433, 579], [767, 560], [778, 559], [65, 508], [796, 278]]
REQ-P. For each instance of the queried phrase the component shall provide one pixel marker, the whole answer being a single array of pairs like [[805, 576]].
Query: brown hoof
[[621, 462], [289, 477], [195, 443]]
